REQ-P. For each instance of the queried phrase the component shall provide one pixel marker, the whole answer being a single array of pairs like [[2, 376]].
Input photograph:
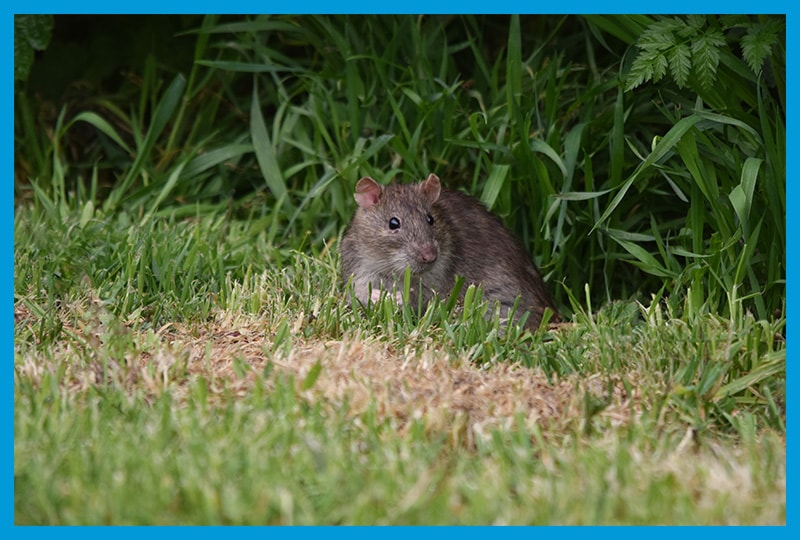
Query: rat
[[438, 234]]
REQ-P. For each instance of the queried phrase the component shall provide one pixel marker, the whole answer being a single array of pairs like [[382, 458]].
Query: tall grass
[[654, 190]]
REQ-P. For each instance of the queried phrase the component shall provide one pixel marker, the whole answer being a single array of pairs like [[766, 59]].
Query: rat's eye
[[394, 223], [429, 219]]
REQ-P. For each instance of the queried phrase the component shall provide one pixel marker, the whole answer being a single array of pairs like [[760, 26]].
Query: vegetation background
[[181, 183]]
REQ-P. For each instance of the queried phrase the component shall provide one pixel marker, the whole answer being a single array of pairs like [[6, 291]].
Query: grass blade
[[265, 152], [663, 146], [163, 112]]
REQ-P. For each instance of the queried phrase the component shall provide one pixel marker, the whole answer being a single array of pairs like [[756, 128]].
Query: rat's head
[[397, 223]]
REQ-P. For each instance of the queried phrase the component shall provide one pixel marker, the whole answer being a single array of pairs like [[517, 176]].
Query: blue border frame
[[9, 7]]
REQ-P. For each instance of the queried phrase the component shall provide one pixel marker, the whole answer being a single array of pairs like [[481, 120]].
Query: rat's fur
[[464, 239]]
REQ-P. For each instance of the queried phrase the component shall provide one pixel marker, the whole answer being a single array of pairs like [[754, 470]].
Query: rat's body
[[438, 234]]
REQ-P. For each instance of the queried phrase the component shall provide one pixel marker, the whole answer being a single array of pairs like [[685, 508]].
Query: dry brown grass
[[421, 380]]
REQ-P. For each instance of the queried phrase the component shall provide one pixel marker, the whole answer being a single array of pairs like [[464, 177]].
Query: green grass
[[185, 351], [274, 458], [112, 408]]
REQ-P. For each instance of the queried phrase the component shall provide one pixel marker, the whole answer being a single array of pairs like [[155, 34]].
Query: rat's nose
[[427, 253]]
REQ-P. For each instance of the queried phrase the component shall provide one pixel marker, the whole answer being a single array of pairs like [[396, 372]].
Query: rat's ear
[[431, 188], [368, 192]]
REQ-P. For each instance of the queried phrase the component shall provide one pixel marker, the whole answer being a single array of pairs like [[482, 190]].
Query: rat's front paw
[[376, 296]]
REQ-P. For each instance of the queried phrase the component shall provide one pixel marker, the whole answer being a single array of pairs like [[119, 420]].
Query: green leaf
[[641, 71], [36, 29], [660, 65], [23, 57], [741, 196], [265, 153], [724, 119], [758, 42], [666, 144], [514, 63], [705, 56], [542, 147], [694, 24], [497, 177], [87, 213], [581, 195], [616, 146], [774, 364], [102, 125], [168, 186], [572, 147], [31, 33], [212, 158], [680, 63], [644, 259], [312, 376], [660, 36], [687, 148], [161, 115]]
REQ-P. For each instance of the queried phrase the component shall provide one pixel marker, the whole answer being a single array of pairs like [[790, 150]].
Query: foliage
[[31, 34], [286, 113], [695, 44], [719, 162]]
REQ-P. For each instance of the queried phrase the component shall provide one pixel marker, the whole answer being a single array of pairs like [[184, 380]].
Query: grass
[[186, 354], [267, 400]]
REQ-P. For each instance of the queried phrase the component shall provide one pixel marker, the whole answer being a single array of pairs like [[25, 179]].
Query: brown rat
[[438, 234]]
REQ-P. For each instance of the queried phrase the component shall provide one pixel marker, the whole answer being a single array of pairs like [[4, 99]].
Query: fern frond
[[694, 24], [705, 56], [758, 42], [641, 70], [660, 35], [691, 47], [680, 63]]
